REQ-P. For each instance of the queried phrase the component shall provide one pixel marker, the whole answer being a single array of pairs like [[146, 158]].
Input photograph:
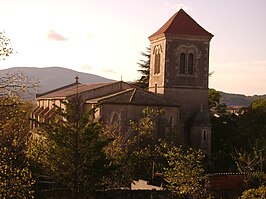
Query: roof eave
[[180, 36]]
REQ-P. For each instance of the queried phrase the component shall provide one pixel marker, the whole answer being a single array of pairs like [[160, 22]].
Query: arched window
[[157, 62], [182, 63], [115, 119], [187, 60], [190, 63]]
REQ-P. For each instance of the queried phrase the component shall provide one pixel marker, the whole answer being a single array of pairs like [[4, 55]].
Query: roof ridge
[[133, 94], [112, 95]]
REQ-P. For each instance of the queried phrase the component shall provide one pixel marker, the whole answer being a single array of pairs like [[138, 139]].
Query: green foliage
[[138, 153], [259, 104], [5, 46], [15, 176], [223, 133], [214, 97], [251, 128], [15, 179], [70, 148], [214, 102], [184, 173], [143, 82], [251, 163], [240, 131], [254, 193]]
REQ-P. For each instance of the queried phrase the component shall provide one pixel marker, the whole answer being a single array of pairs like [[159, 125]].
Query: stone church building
[[178, 84]]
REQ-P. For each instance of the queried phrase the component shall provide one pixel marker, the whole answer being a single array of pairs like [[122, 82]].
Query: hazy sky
[[105, 37]]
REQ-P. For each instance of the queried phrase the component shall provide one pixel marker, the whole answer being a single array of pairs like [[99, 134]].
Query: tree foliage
[[144, 64], [15, 176], [185, 173], [6, 48], [138, 154], [254, 193], [214, 102], [70, 148], [251, 164], [17, 85]]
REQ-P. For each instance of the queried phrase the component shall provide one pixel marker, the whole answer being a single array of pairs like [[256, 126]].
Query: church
[[178, 85]]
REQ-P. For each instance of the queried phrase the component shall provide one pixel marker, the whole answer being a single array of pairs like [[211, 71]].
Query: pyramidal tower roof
[[182, 24]]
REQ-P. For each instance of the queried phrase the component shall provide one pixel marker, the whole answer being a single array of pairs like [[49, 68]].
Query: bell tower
[[179, 69]]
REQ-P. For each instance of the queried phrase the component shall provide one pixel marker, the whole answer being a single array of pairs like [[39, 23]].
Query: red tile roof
[[182, 24]]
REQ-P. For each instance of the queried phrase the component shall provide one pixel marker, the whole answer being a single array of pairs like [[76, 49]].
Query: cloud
[[53, 35], [108, 70], [86, 67], [89, 35]]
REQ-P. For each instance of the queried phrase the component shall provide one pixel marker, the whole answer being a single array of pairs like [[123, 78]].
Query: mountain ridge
[[54, 77]]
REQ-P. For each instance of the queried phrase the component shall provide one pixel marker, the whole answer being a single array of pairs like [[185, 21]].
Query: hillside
[[237, 99], [54, 77]]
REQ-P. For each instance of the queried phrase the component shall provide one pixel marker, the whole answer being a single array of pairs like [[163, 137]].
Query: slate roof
[[134, 96], [68, 91], [182, 24]]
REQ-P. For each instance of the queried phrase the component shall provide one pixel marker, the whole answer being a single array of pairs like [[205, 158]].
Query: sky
[[105, 37]]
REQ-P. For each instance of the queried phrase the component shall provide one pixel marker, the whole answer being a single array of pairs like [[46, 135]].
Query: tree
[[251, 164], [185, 173], [214, 102], [70, 147], [16, 84], [138, 154], [5, 46], [251, 127], [144, 64], [254, 193], [15, 176]]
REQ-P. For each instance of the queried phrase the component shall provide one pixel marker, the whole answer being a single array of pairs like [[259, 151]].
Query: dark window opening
[[204, 136], [182, 63], [157, 63], [190, 63]]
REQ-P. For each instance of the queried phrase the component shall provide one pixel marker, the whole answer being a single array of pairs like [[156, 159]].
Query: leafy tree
[[185, 173], [15, 179], [16, 84], [241, 132], [70, 148], [214, 97], [5, 46], [254, 193], [15, 176], [223, 133], [138, 153], [144, 64], [251, 164], [214, 102], [251, 127], [259, 104]]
